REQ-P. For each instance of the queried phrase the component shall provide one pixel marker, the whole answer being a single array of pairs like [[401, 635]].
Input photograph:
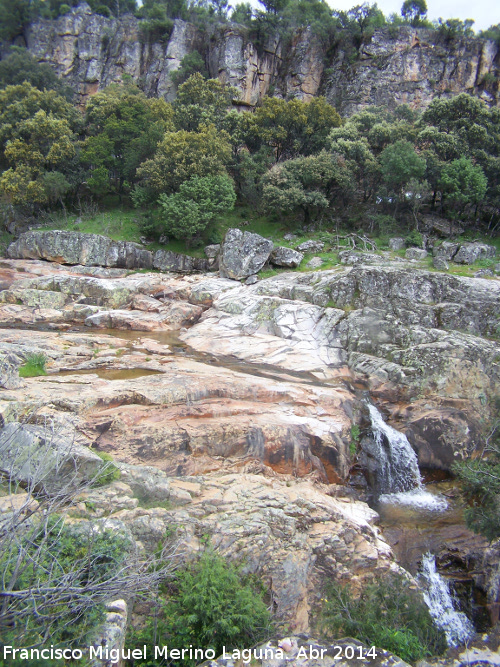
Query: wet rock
[[311, 246], [440, 263], [282, 256], [397, 243], [9, 371], [471, 252], [415, 253], [314, 263], [78, 248], [41, 458], [447, 250], [442, 437], [243, 254], [166, 260]]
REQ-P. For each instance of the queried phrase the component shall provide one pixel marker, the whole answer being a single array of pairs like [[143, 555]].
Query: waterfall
[[396, 461], [394, 466], [455, 624]]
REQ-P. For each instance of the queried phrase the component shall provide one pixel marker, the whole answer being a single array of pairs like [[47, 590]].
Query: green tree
[[389, 614], [480, 485], [199, 202], [400, 164], [182, 155], [19, 66], [211, 605], [293, 127], [310, 184], [462, 183], [201, 102], [125, 128], [191, 64], [414, 11]]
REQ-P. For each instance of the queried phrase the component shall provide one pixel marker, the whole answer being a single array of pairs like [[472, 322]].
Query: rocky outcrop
[[166, 260], [42, 458], [404, 65], [282, 256], [243, 254], [79, 248]]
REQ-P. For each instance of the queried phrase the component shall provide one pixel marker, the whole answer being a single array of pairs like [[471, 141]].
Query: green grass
[[34, 366]]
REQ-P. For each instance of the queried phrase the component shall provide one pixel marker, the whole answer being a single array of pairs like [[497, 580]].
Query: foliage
[[198, 203], [192, 63], [463, 182], [388, 614], [201, 102], [33, 366], [414, 11], [182, 155], [400, 164], [19, 66], [109, 473], [480, 486], [211, 605]]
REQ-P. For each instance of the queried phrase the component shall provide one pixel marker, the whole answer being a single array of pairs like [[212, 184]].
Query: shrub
[[34, 366], [414, 238], [109, 473], [388, 614], [212, 606]]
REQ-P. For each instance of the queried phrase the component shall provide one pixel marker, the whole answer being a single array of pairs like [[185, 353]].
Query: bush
[[34, 366], [387, 614], [109, 472], [414, 238], [211, 606]]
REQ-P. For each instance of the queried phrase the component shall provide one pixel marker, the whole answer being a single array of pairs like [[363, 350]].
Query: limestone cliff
[[397, 65]]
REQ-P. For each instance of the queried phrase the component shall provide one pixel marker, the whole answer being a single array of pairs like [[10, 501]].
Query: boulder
[[471, 252], [314, 263], [447, 250], [212, 251], [289, 237], [282, 256], [416, 253], [397, 243], [42, 458], [484, 273], [79, 248], [251, 280], [166, 260], [9, 371], [440, 263], [243, 254], [311, 246]]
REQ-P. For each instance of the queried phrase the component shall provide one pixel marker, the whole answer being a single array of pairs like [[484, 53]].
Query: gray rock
[[484, 273], [147, 482], [397, 243], [42, 458], [212, 251], [163, 240], [415, 253], [79, 248], [440, 263], [471, 252], [289, 237], [9, 371], [166, 260], [447, 250], [497, 268], [353, 258], [311, 246], [314, 263], [251, 280], [110, 635], [243, 254], [282, 256]]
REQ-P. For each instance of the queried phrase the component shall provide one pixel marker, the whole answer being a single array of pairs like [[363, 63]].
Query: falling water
[[396, 468], [455, 624]]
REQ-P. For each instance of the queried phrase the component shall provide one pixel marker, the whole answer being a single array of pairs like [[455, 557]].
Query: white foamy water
[[418, 498], [436, 591], [399, 474]]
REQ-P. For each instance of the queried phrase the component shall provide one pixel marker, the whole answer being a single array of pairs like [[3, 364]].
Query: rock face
[[412, 65], [41, 458], [78, 248], [243, 254], [95, 250]]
